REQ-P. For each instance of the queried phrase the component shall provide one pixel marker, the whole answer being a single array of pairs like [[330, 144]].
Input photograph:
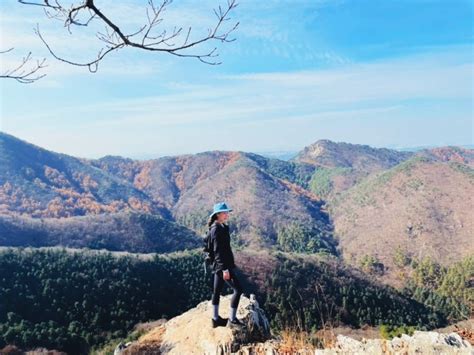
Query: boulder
[[192, 332], [420, 342]]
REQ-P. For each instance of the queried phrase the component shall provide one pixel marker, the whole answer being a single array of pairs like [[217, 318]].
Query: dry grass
[[296, 341], [325, 338]]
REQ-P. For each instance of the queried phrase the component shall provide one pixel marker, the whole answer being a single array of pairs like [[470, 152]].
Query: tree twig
[[176, 42], [24, 72]]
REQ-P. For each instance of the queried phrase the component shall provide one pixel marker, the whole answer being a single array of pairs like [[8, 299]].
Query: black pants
[[233, 282]]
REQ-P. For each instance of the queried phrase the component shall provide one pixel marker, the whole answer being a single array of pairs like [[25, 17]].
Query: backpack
[[208, 249]]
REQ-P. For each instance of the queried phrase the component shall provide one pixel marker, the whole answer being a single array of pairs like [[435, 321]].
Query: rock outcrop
[[419, 343], [192, 332]]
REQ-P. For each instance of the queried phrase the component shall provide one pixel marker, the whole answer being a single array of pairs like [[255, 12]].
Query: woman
[[224, 266]]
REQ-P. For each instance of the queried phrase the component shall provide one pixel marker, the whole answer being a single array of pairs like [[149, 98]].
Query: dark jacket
[[223, 256]]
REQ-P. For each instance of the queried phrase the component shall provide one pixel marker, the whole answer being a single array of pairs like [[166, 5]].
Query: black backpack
[[208, 249]]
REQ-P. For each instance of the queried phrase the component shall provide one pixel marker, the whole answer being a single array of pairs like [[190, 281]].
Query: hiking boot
[[220, 322], [235, 321]]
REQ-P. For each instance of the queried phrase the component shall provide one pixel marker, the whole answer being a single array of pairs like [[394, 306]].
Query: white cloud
[[285, 95], [428, 76]]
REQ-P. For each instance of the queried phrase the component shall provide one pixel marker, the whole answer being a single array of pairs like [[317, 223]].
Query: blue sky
[[384, 73]]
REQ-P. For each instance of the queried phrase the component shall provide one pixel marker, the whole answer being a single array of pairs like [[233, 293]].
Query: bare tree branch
[[26, 72], [176, 42]]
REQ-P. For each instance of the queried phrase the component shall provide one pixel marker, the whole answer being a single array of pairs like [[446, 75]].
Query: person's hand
[[226, 275]]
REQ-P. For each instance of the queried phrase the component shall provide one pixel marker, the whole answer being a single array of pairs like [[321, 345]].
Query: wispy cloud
[[355, 91]]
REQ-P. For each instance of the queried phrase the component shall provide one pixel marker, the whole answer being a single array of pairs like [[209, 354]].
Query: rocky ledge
[[192, 332], [420, 342]]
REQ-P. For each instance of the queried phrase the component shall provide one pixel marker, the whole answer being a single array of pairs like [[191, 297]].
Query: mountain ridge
[[309, 198]]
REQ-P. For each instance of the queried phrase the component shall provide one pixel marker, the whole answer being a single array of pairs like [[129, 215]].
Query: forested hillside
[[133, 231], [39, 183], [74, 301], [423, 208], [341, 165]]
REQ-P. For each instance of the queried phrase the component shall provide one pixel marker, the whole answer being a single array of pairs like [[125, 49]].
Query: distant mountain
[[451, 154], [329, 154], [132, 232], [263, 193], [330, 193], [40, 183], [340, 166], [257, 188], [415, 149], [282, 155], [421, 207]]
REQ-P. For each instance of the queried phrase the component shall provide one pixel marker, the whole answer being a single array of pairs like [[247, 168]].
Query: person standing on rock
[[223, 266]]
